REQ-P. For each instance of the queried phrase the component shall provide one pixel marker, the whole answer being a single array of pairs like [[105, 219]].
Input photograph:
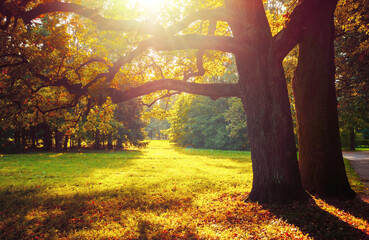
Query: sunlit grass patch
[[162, 192]]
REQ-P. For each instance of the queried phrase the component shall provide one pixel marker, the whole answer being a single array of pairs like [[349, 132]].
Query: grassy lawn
[[161, 192]]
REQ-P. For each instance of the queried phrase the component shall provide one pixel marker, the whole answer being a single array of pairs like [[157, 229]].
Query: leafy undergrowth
[[162, 192]]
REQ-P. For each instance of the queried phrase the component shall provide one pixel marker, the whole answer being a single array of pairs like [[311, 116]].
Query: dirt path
[[360, 162]]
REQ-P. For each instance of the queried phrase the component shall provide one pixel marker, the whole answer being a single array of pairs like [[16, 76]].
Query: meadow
[[160, 192]]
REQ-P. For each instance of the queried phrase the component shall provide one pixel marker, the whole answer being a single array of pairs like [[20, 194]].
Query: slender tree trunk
[[47, 139], [119, 143], [79, 143], [58, 140], [66, 139], [103, 141], [23, 138], [32, 132], [17, 137], [320, 157], [276, 176], [352, 139], [110, 142]]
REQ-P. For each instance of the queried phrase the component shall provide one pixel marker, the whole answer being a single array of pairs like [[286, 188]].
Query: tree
[[320, 159], [259, 55], [203, 123], [352, 68]]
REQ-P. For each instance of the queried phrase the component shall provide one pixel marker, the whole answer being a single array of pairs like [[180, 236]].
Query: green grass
[[355, 181], [362, 149], [161, 192]]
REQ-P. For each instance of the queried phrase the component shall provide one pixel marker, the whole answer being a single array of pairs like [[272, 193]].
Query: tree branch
[[199, 64], [193, 41], [294, 30], [103, 23], [22, 60], [215, 90], [213, 15]]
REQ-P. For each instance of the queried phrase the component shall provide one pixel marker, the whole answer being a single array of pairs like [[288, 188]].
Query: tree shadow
[[312, 220], [357, 207], [27, 214]]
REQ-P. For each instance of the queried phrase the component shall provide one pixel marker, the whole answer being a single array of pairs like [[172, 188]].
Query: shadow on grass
[[318, 223], [357, 208], [26, 214]]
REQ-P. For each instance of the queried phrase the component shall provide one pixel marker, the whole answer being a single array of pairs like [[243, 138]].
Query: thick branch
[[146, 27], [292, 34], [215, 90], [13, 64], [102, 22]]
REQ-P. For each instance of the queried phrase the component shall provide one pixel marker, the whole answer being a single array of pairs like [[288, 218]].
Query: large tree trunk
[[320, 157], [264, 95]]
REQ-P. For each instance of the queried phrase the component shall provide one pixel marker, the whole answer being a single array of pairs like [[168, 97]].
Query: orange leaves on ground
[[344, 216]]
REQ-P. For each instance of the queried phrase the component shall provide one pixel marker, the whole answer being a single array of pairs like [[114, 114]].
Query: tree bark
[[320, 158], [264, 96]]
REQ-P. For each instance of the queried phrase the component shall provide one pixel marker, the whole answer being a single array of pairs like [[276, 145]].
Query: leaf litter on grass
[[159, 193]]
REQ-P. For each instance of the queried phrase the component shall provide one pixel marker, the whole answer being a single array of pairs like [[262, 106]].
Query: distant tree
[[237, 124], [352, 50], [130, 127], [156, 129], [204, 123]]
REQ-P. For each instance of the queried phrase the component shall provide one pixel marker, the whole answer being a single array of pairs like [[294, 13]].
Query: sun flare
[[149, 4]]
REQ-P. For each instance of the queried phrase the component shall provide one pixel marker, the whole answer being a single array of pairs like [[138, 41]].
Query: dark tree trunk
[[276, 176], [47, 138], [79, 143], [17, 137], [119, 143], [320, 157], [58, 140], [32, 133], [66, 139], [352, 139], [110, 142], [23, 138], [103, 141]]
